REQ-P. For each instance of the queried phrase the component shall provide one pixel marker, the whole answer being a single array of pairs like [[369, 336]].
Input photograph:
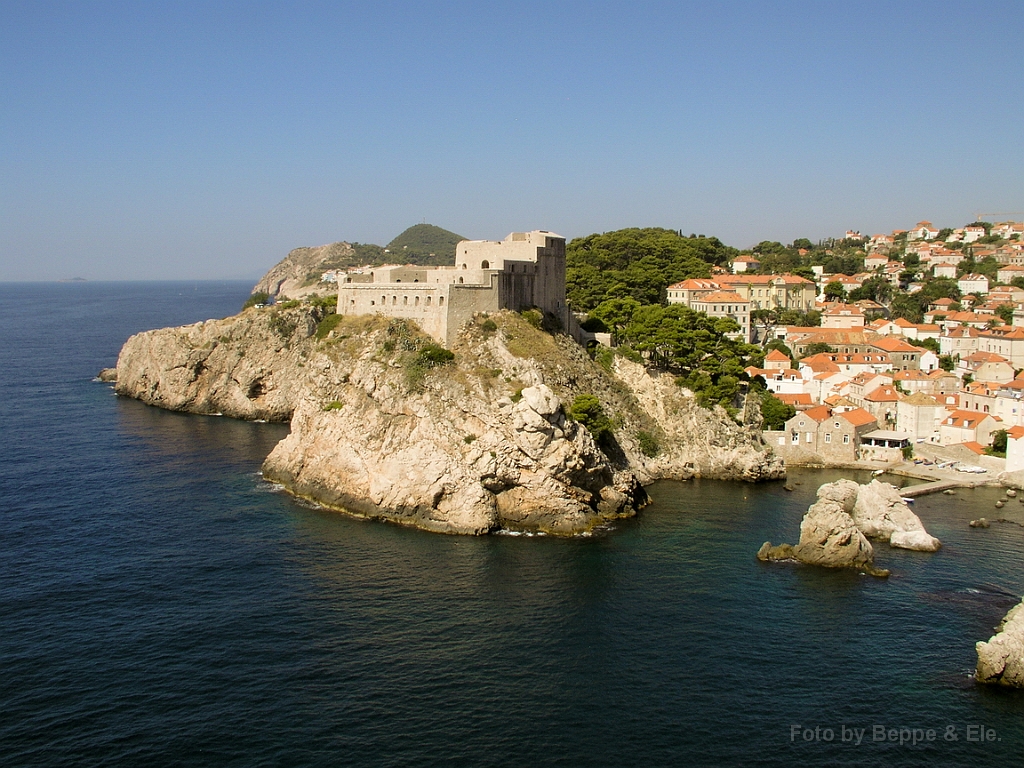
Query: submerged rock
[[1001, 659]]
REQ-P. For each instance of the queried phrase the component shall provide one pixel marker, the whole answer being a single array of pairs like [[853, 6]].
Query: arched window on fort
[[485, 264], [383, 300], [405, 300], [440, 301], [416, 280], [394, 300], [373, 303], [461, 280], [416, 301], [464, 266], [428, 301]]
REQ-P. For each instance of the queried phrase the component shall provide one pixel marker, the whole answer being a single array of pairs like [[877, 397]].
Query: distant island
[[73, 280]]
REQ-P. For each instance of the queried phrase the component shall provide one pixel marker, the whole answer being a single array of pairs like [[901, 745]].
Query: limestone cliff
[[384, 425], [298, 274]]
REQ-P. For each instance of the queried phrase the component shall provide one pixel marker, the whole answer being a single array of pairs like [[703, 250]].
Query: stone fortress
[[526, 269]]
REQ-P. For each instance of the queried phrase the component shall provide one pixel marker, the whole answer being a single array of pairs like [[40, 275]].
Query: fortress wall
[[424, 303], [468, 300]]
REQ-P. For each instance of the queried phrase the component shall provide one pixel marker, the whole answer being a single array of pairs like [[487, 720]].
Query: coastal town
[[868, 383]]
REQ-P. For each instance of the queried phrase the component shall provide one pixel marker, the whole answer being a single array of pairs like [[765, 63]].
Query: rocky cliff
[[385, 425], [298, 274]]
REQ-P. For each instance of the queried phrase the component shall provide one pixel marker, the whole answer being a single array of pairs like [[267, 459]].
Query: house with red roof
[[967, 426], [745, 264], [820, 435]]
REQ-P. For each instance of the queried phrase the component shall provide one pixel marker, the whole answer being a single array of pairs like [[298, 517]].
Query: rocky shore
[[1001, 659], [836, 529], [385, 426]]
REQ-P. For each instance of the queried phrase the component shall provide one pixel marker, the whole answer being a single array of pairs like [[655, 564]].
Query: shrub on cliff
[[260, 297], [586, 409]]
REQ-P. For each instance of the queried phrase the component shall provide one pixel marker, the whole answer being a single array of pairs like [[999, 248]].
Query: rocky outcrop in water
[[1001, 659], [383, 427], [828, 535], [880, 513], [835, 530]]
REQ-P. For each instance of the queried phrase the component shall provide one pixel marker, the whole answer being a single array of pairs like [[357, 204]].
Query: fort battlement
[[526, 269]]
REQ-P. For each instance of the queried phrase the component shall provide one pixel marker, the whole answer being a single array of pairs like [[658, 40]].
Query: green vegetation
[[586, 409], [283, 323], [648, 443], [605, 357], [998, 447], [775, 412], [637, 263], [429, 356], [328, 324], [260, 297], [334, 405], [534, 317], [424, 244]]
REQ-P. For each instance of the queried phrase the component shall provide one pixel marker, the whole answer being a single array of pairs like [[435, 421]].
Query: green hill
[[424, 244]]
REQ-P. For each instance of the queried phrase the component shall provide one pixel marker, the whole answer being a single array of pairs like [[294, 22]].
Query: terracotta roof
[[966, 419], [818, 413], [976, 447], [884, 394], [891, 344], [858, 417], [777, 356], [1015, 432], [695, 284], [795, 400], [722, 296]]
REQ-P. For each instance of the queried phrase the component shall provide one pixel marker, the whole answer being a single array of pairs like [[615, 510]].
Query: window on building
[[810, 437], [428, 301], [440, 301], [461, 280], [394, 300], [416, 301], [846, 439], [405, 300], [485, 264], [828, 437]]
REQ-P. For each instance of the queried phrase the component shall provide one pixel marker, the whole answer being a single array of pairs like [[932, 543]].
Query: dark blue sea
[[160, 605]]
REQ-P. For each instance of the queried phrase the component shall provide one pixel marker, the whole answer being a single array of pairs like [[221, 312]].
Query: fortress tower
[[526, 269]]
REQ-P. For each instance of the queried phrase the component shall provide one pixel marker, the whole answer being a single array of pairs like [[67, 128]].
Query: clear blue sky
[[205, 140]]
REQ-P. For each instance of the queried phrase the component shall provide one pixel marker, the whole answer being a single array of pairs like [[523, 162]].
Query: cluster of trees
[[690, 344], [637, 263]]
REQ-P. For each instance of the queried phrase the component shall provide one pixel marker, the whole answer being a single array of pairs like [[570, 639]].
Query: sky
[[204, 140]]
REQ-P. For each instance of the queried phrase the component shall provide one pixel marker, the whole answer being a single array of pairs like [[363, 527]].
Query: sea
[[162, 605]]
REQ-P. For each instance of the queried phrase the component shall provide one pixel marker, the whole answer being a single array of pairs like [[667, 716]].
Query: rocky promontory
[[480, 438], [835, 530], [1001, 659]]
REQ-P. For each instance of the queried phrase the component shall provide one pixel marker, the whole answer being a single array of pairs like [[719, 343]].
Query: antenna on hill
[[983, 216]]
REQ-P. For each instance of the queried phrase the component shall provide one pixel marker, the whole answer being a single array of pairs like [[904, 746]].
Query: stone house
[[727, 305], [973, 283], [968, 426], [920, 415], [819, 436], [1015, 449]]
